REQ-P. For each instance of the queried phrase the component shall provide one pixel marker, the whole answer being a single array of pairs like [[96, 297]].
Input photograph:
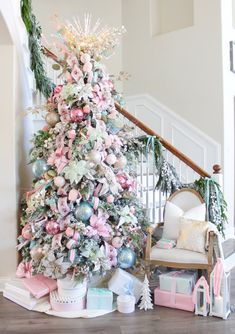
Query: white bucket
[[126, 304]]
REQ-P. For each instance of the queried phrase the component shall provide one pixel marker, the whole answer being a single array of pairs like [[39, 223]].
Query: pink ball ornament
[[76, 115], [27, 232], [52, 227], [110, 199], [69, 232], [121, 162], [117, 242], [59, 181], [111, 159], [73, 195], [86, 109]]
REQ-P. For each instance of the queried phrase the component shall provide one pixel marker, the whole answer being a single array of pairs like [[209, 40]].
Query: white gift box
[[185, 281], [126, 304], [123, 283]]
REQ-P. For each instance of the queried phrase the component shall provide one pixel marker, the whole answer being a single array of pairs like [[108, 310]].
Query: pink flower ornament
[[98, 225], [76, 73]]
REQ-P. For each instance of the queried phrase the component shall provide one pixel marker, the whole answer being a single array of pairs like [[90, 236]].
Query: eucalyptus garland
[[168, 181], [43, 83]]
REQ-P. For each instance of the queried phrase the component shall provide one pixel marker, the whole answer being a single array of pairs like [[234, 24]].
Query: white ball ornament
[[59, 181], [94, 156], [121, 162], [52, 118], [111, 159]]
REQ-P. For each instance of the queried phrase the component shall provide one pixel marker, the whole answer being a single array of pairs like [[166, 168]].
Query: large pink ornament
[[111, 159], [27, 232], [117, 242], [59, 181], [121, 162], [52, 227], [76, 115]]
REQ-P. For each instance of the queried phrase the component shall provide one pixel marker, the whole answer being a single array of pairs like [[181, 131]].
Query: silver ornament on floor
[[52, 118], [83, 211], [126, 258], [39, 167]]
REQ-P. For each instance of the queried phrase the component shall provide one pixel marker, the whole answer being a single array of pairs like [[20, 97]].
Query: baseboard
[[3, 280]]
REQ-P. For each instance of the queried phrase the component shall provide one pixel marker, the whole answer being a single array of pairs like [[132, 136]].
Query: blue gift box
[[99, 299]]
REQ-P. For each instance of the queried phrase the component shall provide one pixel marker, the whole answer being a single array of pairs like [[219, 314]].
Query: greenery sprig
[[43, 83]]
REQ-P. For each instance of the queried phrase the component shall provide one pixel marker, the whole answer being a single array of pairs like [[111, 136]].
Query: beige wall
[[181, 69], [108, 10]]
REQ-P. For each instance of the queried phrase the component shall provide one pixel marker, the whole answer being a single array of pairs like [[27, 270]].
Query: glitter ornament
[[59, 181], [39, 167], [73, 195], [36, 253], [52, 118], [126, 258], [83, 211], [52, 227], [86, 109]]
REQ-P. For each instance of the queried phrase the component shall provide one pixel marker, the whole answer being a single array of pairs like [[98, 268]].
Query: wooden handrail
[[146, 129]]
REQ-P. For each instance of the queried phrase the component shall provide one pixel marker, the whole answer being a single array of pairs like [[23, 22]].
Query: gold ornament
[[52, 118]]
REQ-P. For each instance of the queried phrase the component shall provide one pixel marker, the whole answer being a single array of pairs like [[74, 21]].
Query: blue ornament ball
[[83, 211], [126, 258], [39, 167]]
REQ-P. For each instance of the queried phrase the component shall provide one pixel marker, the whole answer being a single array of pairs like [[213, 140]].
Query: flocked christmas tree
[[82, 215], [145, 299]]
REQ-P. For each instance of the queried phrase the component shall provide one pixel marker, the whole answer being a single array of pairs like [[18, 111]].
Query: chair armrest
[[211, 247]]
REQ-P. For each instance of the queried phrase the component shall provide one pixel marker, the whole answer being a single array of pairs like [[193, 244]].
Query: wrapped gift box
[[123, 283], [174, 300], [40, 285], [185, 281], [99, 299]]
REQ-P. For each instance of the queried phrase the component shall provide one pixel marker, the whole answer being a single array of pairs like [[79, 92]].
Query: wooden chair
[[185, 199]]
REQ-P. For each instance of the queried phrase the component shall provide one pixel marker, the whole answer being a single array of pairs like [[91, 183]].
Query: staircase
[[152, 199]]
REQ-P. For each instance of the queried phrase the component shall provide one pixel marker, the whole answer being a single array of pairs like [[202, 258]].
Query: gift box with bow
[[123, 283]]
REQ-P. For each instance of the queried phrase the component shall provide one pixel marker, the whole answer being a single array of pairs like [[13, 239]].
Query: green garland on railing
[[43, 83], [168, 180]]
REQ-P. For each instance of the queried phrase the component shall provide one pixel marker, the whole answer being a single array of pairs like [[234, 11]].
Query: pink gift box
[[40, 285], [173, 300]]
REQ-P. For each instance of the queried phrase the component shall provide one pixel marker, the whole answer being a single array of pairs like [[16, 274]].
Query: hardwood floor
[[15, 319]]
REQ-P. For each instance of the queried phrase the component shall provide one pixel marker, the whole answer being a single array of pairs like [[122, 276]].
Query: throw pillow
[[192, 235], [172, 216]]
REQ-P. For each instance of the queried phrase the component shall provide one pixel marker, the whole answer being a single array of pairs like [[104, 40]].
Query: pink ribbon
[[71, 135], [201, 282], [74, 241], [218, 273], [72, 255], [24, 269], [63, 207]]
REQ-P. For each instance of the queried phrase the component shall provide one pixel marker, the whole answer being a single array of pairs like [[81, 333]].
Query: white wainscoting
[[199, 147]]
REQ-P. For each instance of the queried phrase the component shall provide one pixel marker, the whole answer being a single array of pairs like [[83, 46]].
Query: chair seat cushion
[[176, 255]]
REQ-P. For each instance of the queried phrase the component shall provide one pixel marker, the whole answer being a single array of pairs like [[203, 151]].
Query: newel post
[[217, 175]]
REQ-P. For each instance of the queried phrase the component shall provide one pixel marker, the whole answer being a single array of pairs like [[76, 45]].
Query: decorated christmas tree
[[82, 215]]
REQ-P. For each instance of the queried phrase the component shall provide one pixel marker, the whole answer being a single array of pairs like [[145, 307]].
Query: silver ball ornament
[[83, 211], [52, 118], [39, 167], [126, 258]]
